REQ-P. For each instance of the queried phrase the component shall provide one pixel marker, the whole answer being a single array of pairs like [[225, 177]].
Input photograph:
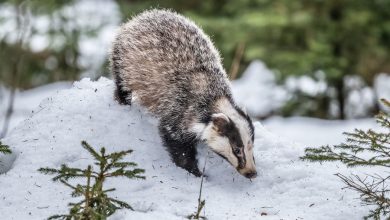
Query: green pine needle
[[91, 151], [5, 149]]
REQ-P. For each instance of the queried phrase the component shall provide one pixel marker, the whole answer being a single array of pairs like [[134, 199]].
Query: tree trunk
[[336, 14], [21, 27], [340, 97], [8, 113]]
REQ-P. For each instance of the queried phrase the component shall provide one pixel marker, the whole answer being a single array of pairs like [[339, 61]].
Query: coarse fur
[[174, 70]]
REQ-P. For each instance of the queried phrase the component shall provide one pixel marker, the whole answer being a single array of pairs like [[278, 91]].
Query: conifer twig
[[4, 149]]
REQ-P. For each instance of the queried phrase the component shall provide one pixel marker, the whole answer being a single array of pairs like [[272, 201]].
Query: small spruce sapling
[[96, 204], [363, 148]]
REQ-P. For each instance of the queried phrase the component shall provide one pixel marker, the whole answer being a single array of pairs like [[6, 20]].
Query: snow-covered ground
[[286, 188], [27, 101], [313, 132]]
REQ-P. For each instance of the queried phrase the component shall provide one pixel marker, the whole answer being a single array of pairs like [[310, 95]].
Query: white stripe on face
[[241, 123], [221, 144], [226, 107]]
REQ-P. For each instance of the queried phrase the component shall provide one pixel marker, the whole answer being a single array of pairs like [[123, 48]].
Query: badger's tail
[[122, 95]]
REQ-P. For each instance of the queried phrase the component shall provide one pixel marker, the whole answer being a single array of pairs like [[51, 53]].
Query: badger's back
[[168, 62]]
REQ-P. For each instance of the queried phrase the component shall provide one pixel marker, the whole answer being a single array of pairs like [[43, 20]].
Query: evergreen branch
[[58, 217], [66, 176], [91, 151], [108, 190], [127, 173], [121, 204], [369, 137], [78, 204], [383, 120], [64, 172], [116, 156], [358, 141], [69, 185], [123, 164], [48, 170], [5, 149], [326, 153], [77, 193]]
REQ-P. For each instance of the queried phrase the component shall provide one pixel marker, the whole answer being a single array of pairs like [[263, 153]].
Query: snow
[[257, 91], [360, 99], [312, 132], [27, 101], [306, 84], [287, 188]]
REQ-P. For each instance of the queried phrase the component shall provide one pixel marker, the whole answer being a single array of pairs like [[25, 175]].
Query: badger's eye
[[236, 150]]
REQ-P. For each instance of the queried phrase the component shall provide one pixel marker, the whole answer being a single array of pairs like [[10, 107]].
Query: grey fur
[[175, 71]]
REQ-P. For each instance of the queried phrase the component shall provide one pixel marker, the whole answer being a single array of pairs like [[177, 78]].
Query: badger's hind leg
[[122, 96], [182, 152]]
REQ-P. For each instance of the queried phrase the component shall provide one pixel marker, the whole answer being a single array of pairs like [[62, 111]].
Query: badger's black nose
[[251, 175]]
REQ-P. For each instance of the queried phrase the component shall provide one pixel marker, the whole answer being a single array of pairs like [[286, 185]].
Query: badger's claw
[[196, 172]]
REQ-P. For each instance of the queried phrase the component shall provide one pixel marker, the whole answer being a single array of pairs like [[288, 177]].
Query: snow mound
[[286, 188], [257, 91], [26, 101]]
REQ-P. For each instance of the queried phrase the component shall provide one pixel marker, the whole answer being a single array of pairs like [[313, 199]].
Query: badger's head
[[230, 135]]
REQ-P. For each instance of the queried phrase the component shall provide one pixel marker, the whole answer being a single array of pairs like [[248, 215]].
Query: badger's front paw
[[196, 172]]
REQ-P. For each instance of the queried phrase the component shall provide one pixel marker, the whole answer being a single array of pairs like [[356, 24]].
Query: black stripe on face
[[249, 121], [231, 131]]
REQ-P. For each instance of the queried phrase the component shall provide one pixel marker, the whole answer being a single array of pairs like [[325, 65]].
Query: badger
[[173, 69]]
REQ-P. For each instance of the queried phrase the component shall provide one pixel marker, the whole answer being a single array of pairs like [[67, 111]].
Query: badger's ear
[[220, 121]]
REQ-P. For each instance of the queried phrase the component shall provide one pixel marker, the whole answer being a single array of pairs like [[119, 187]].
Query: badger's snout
[[249, 170], [248, 173], [251, 175]]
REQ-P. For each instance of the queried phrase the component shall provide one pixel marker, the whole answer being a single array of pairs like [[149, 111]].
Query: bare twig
[[373, 190], [237, 60], [201, 203]]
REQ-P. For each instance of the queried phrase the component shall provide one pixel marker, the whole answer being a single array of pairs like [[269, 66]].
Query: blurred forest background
[[339, 48]]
